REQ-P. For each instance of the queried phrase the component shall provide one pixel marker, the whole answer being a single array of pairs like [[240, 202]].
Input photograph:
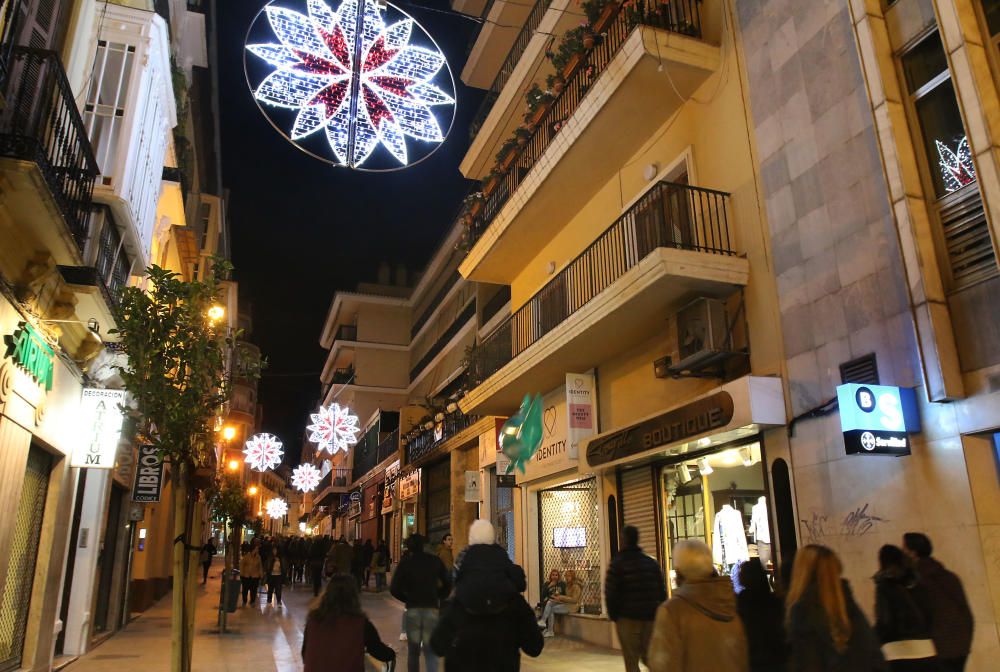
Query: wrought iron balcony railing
[[422, 442], [669, 215], [112, 261], [42, 123], [679, 16]]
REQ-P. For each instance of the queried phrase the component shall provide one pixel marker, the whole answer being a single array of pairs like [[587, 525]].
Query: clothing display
[[729, 539], [759, 526]]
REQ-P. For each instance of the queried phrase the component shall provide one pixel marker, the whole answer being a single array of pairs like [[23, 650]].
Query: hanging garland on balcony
[[334, 428], [263, 452], [360, 85], [306, 477]]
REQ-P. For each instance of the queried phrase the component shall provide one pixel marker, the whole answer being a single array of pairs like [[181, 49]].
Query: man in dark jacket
[[487, 642], [951, 618], [420, 582], [634, 589]]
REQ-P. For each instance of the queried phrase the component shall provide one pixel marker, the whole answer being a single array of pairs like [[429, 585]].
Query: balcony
[[422, 442], [45, 155], [466, 314], [335, 483], [673, 244], [614, 99], [346, 332], [379, 443]]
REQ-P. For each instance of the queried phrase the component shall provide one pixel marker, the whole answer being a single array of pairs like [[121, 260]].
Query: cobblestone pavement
[[266, 638]]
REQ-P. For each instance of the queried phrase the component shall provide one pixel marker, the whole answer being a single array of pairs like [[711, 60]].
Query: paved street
[[266, 639]]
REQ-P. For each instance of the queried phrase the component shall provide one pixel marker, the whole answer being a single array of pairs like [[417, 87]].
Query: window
[[929, 84], [104, 111]]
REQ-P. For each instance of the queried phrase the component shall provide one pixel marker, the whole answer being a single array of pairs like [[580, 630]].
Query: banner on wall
[[569, 415], [101, 425], [581, 412]]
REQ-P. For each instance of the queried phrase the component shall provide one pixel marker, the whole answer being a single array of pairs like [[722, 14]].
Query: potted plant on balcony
[[507, 154], [538, 100], [569, 53], [600, 13], [555, 83], [490, 181], [472, 204], [522, 134]]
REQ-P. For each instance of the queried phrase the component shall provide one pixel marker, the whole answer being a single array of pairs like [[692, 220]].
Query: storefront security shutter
[[638, 503]]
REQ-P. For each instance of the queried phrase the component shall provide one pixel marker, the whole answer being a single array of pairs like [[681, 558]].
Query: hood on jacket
[[713, 597]]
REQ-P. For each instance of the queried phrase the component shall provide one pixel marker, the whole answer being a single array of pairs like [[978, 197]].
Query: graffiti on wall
[[855, 523]]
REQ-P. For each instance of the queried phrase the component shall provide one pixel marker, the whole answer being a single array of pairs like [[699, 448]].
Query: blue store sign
[[876, 419]]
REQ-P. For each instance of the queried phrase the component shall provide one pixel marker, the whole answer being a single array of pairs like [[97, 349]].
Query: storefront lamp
[[228, 432], [704, 467], [216, 313], [747, 456], [234, 465], [252, 490]]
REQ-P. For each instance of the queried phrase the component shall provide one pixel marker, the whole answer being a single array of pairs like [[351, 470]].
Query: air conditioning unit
[[702, 333]]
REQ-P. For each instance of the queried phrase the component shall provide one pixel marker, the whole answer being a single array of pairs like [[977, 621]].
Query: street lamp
[[228, 432], [234, 465], [216, 313], [252, 490]]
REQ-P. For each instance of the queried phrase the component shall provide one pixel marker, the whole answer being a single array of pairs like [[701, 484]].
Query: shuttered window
[[967, 238], [639, 506]]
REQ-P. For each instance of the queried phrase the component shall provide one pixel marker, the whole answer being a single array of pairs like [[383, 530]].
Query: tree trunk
[[180, 646], [194, 511]]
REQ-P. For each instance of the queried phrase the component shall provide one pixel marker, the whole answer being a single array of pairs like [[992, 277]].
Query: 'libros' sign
[[877, 419], [148, 476]]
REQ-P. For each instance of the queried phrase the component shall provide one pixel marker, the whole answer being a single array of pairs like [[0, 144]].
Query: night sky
[[302, 229]]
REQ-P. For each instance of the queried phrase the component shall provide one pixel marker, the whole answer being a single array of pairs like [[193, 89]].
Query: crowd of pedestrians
[[469, 609]]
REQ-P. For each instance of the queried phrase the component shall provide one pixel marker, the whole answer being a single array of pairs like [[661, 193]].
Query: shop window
[[721, 499], [569, 537]]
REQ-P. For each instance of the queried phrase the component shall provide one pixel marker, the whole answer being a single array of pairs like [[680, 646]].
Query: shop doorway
[[720, 498], [103, 619], [503, 515], [15, 602], [438, 500], [569, 537]]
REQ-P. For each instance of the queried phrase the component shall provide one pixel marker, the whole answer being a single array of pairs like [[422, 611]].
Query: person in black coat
[[420, 582], [763, 616], [633, 589], [486, 579], [903, 614], [484, 642]]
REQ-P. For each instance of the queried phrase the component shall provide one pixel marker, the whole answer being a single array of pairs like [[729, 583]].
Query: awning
[[732, 411]]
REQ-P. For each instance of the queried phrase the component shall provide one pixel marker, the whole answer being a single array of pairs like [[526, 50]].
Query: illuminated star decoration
[[334, 428], [306, 477], [263, 452], [276, 508], [361, 88], [957, 168], [521, 434]]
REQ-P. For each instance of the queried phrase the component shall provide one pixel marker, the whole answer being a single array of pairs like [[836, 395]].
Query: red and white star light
[[306, 477], [361, 88], [276, 508], [263, 452], [334, 428]]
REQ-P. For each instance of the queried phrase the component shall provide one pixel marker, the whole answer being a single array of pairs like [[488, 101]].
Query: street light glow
[[229, 432], [252, 490], [216, 313], [234, 465]]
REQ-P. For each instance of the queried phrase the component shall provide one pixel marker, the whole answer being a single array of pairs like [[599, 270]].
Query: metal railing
[[42, 123], [510, 62], [343, 376], [466, 314], [425, 442], [388, 447], [346, 332], [669, 215], [496, 302], [112, 261], [680, 16]]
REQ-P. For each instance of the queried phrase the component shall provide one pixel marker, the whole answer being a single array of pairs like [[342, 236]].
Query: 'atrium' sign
[[101, 424]]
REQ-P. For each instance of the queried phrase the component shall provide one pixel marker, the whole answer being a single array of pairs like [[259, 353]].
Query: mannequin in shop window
[[729, 539], [761, 531]]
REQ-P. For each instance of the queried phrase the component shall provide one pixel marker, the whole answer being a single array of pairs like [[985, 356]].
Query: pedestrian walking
[[763, 616], [826, 630], [486, 579], [358, 562], [445, 552], [486, 642], [339, 558], [633, 589], [903, 614], [380, 565], [275, 573], [208, 551], [420, 582], [951, 618], [698, 628], [317, 559], [250, 573], [338, 634], [367, 555]]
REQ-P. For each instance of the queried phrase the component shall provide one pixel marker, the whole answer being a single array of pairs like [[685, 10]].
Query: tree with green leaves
[[176, 376]]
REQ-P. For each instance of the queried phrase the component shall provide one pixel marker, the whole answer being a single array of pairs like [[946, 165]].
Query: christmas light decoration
[[362, 76], [276, 508], [957, 169], [263, 452], [306, 477], [334, 428]]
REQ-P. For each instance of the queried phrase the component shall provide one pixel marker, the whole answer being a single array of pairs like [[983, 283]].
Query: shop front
[[371, 503], [698, 471], [389, 507], [437, 499], [409, 496], [498, 487]]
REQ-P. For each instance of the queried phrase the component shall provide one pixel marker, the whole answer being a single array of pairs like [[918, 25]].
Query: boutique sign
[[877, 419]]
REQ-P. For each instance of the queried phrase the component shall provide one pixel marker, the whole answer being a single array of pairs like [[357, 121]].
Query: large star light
[[353, 77], [276, 508], [334, 428], [263, 452], [306, 477]]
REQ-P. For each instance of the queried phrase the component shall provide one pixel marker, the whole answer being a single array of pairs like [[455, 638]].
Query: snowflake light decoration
[[334, 428], [263, 452], [306, 477], [957, 169], [276, 508], [361, 76]]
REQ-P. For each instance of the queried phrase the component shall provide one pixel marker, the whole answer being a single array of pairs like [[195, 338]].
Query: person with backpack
[[420, 582], [338, 634], [903, 614], [486, 579], [633, 589]]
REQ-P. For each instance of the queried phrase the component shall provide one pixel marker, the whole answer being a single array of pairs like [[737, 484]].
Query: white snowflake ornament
[[363, 74], [276, 508], [334, 428], [263, 452], [306, 477]]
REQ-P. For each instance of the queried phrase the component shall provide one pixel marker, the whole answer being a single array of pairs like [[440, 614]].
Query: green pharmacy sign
[[30, 351]]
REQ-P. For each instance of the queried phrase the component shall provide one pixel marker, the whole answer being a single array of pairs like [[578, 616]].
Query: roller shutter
[[639, 506]]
